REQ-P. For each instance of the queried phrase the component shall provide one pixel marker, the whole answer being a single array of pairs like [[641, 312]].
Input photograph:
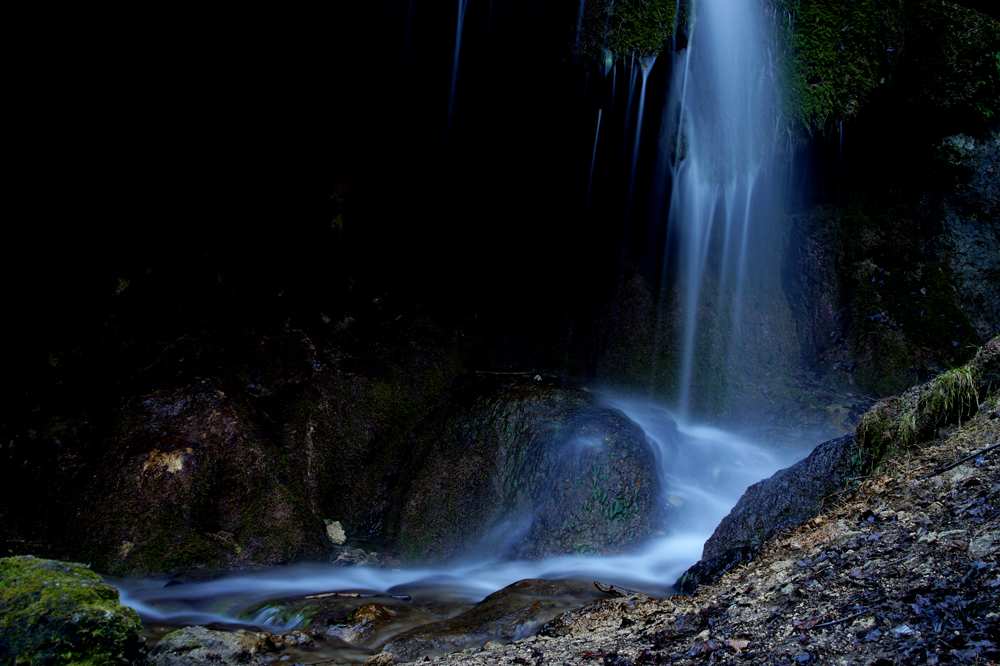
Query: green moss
[[626, 28], [833, 54], [902, 422], [62, 613], [988, 102], [931, 54]]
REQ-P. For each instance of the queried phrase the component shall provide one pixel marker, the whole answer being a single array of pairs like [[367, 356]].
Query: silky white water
[[722, 125], [703, 471]]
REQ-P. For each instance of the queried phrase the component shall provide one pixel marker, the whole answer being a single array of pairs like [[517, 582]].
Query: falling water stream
[[462, 6], [724, 114]]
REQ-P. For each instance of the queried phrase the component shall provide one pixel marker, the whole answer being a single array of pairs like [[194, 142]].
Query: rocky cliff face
[[899, 287]]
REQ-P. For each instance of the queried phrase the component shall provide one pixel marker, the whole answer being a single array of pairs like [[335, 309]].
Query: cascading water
[[723, 115], [462, 6], [722, 120], [645, 65], [703, 472]]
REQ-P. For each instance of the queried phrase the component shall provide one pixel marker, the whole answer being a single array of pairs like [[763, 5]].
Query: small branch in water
[[613, 589], [959, 462], [358, 595]]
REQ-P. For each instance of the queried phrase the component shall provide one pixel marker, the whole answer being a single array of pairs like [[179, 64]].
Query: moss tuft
[[901, 422]]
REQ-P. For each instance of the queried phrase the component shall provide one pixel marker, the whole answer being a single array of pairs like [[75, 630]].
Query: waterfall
[[462, 6], [722, 120]]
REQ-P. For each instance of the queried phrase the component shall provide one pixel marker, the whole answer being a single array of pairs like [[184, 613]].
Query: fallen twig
[[503, 374], [959, 462], [841, 620], [359, 595], [613, 589]]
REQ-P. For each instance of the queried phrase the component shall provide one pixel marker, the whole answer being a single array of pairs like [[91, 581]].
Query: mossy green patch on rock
[[522, 468], [931, 56], [54, 613], [901, 422], [625, 28], [833, 54]]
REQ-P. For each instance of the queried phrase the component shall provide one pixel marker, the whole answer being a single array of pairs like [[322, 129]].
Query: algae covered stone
[[63, 613], [192, 646], [524, 468]]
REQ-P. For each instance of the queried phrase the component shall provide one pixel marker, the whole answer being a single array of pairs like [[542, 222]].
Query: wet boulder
[[516, 466], [787, 498], [193, 646], [515, 612], [188, 479], [365, 622], [59, 612]]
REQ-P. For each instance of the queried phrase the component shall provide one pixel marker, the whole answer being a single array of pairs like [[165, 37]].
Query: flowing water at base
[[704, 470]]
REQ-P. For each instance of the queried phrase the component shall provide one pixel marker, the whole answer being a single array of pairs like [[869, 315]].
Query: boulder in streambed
[[516, 466], [63, 613], [195, 646], [791, 496], [515, 612], [189, 480], [359, 621]]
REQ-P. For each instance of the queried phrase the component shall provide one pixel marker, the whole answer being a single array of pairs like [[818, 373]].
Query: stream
[[702, 478]]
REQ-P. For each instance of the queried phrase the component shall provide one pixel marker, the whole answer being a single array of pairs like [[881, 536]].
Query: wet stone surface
[[522, 467], [513, 613]]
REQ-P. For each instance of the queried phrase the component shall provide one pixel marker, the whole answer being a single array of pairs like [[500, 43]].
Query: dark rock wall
[[900, 284], [970, 218]]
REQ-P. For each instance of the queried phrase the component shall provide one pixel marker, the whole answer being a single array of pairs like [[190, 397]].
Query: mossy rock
[[622, 29], [833, 54], [194, 646], [901, 422], [929, 56], [520, 467], [60, 613]]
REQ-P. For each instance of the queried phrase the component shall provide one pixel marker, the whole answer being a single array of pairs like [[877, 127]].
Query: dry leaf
[[737, 645], [807, 624]]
